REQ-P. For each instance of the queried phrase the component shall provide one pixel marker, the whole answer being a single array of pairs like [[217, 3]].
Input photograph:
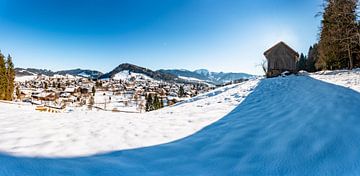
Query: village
[[133, 93]]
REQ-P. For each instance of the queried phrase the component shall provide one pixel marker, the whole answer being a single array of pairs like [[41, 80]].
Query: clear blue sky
[[220, 35]]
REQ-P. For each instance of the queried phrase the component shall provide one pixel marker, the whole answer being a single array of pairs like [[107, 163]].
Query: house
[[70, 90], [281, 58]]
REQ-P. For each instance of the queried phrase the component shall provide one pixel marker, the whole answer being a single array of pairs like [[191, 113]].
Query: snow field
[[25, 132]]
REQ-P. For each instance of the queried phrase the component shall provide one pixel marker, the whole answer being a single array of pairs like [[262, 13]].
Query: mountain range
[[170, 75], [207, 76]]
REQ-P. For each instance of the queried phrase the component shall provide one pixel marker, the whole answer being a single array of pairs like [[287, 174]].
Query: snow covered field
[[294, 125], [26, 132]]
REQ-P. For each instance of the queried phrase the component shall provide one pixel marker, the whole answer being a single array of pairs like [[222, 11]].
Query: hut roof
[[281, 43]]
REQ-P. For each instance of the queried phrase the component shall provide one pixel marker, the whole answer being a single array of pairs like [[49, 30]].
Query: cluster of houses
[[127, 95], [56, 91]]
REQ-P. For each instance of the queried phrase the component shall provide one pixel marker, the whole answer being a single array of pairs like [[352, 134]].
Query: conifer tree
[[301, 64], [18, 92], [181, 91], [3, 77], [93, 90], [156, 102], [45, 86], [339, 37], [312, 58], [10, 72], [149, 103]]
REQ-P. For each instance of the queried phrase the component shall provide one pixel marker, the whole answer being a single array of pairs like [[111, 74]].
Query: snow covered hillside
[[126, 75], [294, 125], [346, 78], [23, 131]]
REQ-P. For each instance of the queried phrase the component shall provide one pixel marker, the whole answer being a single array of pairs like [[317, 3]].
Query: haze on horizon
[[218, 35]]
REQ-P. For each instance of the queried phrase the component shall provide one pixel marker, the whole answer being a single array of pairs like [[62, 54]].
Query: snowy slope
[[286, 126], [191, 79], [346, 78], [203, 75], [26, 132], [126, 75], [24, 78]]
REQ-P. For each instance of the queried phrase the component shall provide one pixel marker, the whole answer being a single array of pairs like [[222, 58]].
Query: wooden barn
[[281, 58]]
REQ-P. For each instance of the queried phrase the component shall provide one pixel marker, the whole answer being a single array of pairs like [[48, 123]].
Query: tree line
[[7, 77], [153, 102], [339, 39]]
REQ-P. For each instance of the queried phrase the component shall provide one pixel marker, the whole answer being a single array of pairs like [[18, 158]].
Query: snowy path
[[287, 126]]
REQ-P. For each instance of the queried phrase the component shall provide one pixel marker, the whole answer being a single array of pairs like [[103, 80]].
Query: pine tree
[[3, 77], [93, 90], [10, 72], [312, 58], [181, 91], [339, 37], [301, 64], [46, 85], [149, 103], [18, 92], [156, 102]]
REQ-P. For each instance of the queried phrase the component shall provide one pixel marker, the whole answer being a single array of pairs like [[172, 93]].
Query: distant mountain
[[32, 72], [75, 72], [171, 75], [137, 69], [185, 74], [93, 74], [207, 76]]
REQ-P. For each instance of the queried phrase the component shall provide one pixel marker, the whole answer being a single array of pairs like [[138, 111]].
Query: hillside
[[204, 75], [75, 72], [137, 69], [33, 72], [81, 72]]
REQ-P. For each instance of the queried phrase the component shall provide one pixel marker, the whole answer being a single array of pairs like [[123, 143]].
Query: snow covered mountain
[[32, 72], [171, 75], [81, 72], [140, 70], [74, 72], [207, 76]]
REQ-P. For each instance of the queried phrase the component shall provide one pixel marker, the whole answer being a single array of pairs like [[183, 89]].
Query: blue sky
[[219, 35]]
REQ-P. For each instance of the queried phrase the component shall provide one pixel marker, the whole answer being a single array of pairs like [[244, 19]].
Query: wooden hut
[[281, 58]]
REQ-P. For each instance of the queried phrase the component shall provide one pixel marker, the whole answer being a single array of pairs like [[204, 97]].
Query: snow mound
[[286, 126]]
